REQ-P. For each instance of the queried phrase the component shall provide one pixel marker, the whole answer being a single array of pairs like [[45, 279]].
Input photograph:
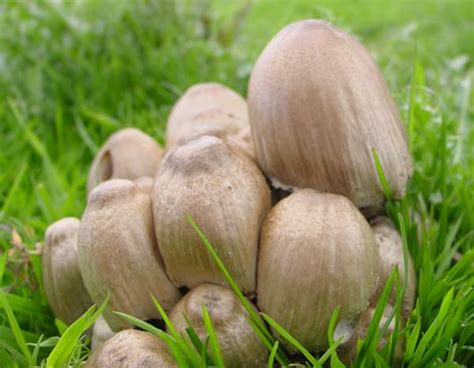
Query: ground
[[71, 73]]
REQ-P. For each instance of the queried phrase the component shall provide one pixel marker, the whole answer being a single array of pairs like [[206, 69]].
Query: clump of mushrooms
[[318, 111]]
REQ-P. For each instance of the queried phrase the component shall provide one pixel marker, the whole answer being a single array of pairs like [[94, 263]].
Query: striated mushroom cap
[[63, 283], [127, 154], [101, 332], [239, 344], [318, 106], [227, 196], [145, 183], [317, 252], [118, 253], [132, 349], [205, 106], [390, 247]]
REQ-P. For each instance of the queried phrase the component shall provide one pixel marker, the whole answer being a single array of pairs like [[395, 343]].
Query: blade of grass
[[67, 343], [20, 339], [288, 337], [271, 358], [213, 341]]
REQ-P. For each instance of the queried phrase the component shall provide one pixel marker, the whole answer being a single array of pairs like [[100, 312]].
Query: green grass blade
[[20, 339], [271, 358], [287, 336], [66, 345], [213, 341], [429, 334]]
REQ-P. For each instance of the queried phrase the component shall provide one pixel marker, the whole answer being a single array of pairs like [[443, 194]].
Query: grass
[[71, 73]]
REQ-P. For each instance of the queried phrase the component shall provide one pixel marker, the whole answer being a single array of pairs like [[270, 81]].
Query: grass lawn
[[71, 73]]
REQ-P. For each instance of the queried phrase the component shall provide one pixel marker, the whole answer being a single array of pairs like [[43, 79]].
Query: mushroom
[[101, 332], [390, 247], [318, 108], [132, 349], [317, 252], [63, 283], [227, 196], [118, 253], [239, 344], [205, 106], [127, 154]]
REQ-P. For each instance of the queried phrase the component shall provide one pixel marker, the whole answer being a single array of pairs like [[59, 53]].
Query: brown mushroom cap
[[101, 332], [205, 106], [127, 154], [317, 252], [318, 106], [239, 344], [227, 196], [63, 283], [390, 247], [132, 349], [118, 253]]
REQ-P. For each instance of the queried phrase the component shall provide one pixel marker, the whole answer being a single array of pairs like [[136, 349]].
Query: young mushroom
[[127, 154], [390, 247], [239, 344], [205, 106], [227, 196], [132, 349], [317, 252], [63, 283], [319, 108], [118, 254], [101, 332]]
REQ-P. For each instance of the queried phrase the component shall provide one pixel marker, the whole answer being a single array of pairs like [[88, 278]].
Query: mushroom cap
[[317, 252], [390, 248], [64, 286], [126, 154], [101, 332], [227, 196], [318, 106], [211, 104], [132, 349], [239, 344], [118, 253]]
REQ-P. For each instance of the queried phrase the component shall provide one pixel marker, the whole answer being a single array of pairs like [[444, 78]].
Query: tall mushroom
[[318, 108], [127, 154], [239, 344], [132, 349], [118, 253], [225, 193], [317, 252], [210, 107], [63, 283]]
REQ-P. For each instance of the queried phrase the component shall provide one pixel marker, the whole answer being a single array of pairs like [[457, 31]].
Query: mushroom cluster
[[285, 187]]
